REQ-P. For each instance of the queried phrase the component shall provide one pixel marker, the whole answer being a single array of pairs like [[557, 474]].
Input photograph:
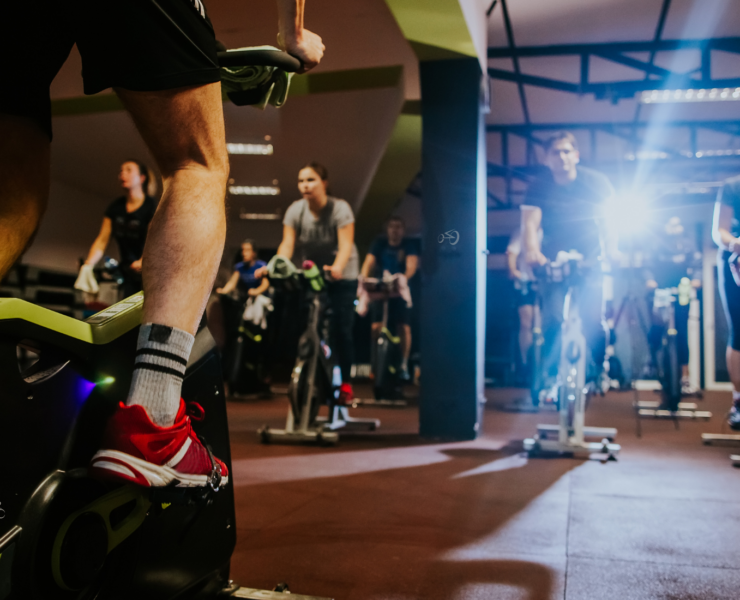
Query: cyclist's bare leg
[[24, 185], [184, 130], [733, 366], [405, 340], [216, 324], [526, 318]]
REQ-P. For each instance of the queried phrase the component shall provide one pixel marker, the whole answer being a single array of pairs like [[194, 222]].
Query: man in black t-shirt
[[566, 203], [396, 254]]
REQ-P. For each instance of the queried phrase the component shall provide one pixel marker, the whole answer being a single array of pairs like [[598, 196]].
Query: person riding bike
[[321, 228], [393, 253], [127, 219], [165, 72], [224, 312], [672, 258], [563, 207]]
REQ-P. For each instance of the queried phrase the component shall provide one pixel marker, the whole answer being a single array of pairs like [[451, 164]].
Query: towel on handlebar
[[364, 297], [86, 281], [270, 85], [256, 310]]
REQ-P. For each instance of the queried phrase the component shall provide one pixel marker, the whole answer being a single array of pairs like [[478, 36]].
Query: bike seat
[[21, 320]]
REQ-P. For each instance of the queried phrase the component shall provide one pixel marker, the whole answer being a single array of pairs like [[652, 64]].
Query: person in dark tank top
[[127, 220]]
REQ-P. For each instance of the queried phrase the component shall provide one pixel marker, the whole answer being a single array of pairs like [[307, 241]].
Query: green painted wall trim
[[436, 29], [301, 85], [346, 81], [397, 169]]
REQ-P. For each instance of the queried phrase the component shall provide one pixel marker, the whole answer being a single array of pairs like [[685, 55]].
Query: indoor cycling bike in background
[[386, 354], [316, 376], [67, 536], [667, 362], [568, 437]]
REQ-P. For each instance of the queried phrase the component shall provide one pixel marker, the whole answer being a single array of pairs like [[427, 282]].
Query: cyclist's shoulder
[[410, 246], [732, 185], [594, 179], [340, 206]]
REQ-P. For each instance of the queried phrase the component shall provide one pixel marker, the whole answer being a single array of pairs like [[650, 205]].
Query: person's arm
[[412, 264], [294, 39], [721, 226], [345, 241], [368, 265], [260, 289], [230, 285], [511, 258], [100, 244], [287, 246], [531, 221]]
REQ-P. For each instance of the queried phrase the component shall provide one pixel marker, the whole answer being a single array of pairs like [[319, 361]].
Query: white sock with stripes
[[161, 356]]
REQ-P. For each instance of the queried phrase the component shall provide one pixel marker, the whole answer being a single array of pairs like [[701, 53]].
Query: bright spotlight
[[627, 213]]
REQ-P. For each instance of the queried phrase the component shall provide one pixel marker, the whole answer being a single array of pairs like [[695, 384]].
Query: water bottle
[[684, 291]]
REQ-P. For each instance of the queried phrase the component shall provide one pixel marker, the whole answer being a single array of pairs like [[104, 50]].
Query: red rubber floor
[[387, 516]]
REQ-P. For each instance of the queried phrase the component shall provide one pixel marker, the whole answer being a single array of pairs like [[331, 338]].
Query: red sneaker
[[346, 394], [135, 450]]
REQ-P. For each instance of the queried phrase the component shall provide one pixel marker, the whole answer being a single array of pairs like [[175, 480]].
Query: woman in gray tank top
[[321, 228]]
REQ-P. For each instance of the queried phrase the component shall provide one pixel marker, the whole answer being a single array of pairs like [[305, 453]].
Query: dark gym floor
[[386, 516]]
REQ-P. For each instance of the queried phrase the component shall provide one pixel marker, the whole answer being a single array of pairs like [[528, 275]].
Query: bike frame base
[[608, 433], [723, 439], [720, 439], [381, 403], [293, 435], [268, 435], [254, 594], [686, 410], [538, 447], [340, 419]]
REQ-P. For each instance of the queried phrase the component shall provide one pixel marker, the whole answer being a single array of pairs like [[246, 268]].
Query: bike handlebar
[[260, 58]]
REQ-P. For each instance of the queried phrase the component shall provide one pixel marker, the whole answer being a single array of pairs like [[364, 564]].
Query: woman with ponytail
[[127, 219]]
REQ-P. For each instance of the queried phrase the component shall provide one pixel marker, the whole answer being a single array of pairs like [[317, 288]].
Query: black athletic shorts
[[398, 312], [729, 292], [127, 44]]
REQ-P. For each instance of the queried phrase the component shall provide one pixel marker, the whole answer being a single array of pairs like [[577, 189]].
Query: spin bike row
[[571, 391], [316, 378]]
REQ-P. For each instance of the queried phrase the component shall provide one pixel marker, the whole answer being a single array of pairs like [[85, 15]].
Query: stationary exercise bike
[[316, 377], [244, 358], [569, 436], [387, 353], [65, 536], [669, 369]]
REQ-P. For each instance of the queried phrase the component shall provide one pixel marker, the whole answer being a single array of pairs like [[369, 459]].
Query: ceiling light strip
[[254, 190], [700, 95], [252, 149]]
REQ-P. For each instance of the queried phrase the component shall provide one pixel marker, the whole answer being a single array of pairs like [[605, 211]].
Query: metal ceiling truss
[[616, 52], [687, 160], [653, 77]]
